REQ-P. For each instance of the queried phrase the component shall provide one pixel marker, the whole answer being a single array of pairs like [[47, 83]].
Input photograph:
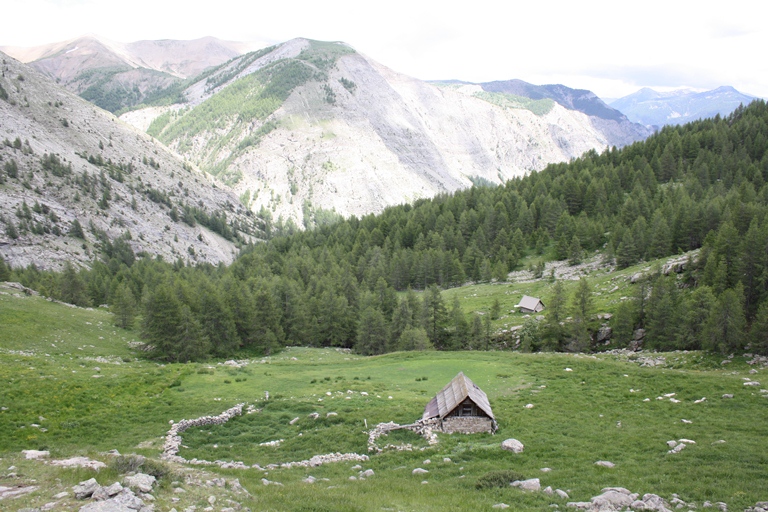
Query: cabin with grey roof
[[461, 407]]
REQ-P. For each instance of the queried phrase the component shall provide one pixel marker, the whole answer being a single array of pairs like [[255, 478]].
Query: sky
[[612, 48]]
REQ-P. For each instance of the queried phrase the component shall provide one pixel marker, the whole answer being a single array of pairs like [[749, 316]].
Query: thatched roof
[[455, 393]]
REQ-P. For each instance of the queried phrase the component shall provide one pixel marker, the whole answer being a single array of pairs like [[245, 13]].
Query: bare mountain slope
[[307, 126], [65, 162]]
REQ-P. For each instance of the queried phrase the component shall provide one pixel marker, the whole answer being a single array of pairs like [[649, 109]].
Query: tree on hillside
[[371, 333], [414, 338], [124, 306], [759, 333], [724, 330], [582, 305], [553, 336], [435, 316], [5, 270]]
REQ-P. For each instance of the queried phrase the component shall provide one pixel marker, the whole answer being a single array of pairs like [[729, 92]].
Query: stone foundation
[[467, 425]]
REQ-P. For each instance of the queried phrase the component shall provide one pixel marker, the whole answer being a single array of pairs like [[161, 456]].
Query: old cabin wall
[[467, 425]]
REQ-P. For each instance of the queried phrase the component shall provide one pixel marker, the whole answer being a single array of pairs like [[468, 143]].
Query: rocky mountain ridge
[[117, 75], [76, 182], [308, 126]]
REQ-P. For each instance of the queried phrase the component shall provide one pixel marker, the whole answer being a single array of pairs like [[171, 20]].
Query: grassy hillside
[[71, 367]]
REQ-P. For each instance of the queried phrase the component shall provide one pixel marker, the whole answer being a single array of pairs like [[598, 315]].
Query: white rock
[[36, 454], [548, 490], [85, 489], [728, 395], [419, 471], [529, 406], [512, 445], [671, 444], [294, 420], [140, 481], [368, 473], [532, 484], [752, 383], [605, 464], [562, 494], [500, 505], [687, 422]]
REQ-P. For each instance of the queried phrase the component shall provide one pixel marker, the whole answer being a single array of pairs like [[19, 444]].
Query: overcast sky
[[610, 47]]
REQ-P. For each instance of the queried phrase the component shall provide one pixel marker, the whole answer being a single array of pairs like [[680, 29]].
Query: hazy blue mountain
[[653, 108]]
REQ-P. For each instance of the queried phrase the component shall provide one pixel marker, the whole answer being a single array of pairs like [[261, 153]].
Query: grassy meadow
[[71, 384]]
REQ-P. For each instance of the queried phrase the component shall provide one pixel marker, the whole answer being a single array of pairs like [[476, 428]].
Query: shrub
[[495, 479]]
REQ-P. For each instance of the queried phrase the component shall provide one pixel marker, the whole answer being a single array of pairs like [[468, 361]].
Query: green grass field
[[73, 375]]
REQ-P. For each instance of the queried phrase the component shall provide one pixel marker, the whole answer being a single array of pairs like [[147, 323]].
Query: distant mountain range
[[306, 130], [116, 75], [652, 108]]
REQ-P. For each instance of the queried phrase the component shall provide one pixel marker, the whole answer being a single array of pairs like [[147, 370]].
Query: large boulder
[[532, 484], [513, 445], [140, 481], [85, 489]]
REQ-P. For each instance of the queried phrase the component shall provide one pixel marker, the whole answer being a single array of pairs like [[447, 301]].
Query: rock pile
[[115, 497]]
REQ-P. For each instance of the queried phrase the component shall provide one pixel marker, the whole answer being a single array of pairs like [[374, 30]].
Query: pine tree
[[5, 270], [759, 332], [371, 333], [725, 328], [191, 342], [72, 288], [581, 307], [124, 306], [554, 333], [575, 253], [414, 338], [435, 316]]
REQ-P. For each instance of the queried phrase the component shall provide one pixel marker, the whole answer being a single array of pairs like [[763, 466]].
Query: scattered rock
[[562, 494], [512, 445], [85, 489], [500, 505], [36, 454], [419, 471], [532, 484], [140, 481], [367, 473], [728, 395], [294, 420], [79, 462], [605, 464]]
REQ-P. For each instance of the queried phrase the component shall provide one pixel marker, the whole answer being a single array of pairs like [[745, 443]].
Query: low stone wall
[[173, 439], [173, 443], [467, 425]]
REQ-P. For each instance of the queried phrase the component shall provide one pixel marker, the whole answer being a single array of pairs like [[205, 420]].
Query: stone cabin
[[461, 407], [530, 304]]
